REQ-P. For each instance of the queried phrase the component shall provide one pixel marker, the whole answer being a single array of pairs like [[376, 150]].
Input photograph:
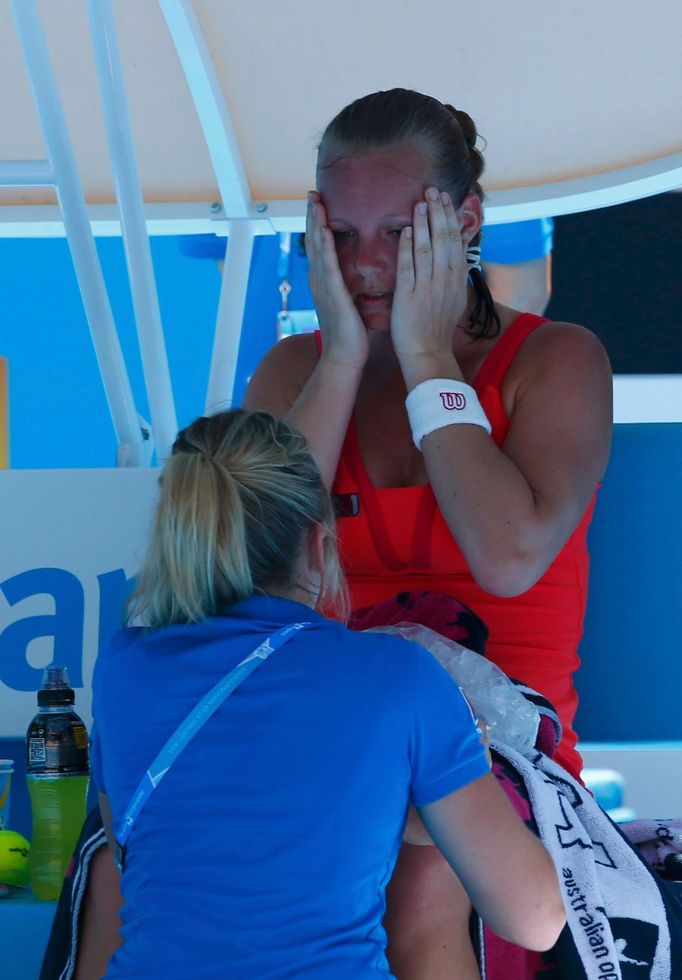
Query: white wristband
[[438, 402]]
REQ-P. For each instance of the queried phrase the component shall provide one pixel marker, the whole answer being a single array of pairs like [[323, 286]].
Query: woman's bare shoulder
[[281, 375], [560, 380], [566, 329], [563, 347]]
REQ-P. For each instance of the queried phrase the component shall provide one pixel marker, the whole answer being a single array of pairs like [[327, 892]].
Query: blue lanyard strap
[[208, 705]]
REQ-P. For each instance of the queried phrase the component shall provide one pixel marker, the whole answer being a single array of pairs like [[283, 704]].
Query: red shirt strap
[[503, 353]]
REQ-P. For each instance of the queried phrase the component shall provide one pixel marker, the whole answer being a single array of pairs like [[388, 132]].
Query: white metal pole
[[135, 239], [81, 242], [235, 194], [220, 392]]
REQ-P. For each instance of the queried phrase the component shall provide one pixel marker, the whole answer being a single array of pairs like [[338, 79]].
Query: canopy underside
[[583, 97]]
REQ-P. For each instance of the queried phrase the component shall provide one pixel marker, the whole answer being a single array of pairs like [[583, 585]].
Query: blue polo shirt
[[266, 850]]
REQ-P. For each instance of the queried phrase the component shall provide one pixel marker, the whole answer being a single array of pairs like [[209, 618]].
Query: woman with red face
[[485, 489]]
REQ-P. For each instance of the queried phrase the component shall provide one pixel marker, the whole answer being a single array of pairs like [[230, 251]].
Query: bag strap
[[187, 729]]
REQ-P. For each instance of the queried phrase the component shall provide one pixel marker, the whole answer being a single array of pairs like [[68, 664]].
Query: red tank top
[[399, 541]]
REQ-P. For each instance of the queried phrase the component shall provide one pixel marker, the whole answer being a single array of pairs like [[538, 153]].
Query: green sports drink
[[58, 773]]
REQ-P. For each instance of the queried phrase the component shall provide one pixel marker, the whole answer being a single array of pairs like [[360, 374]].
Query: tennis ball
[[13, 858]]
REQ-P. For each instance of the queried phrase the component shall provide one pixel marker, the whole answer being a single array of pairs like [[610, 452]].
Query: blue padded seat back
[[630, 682]]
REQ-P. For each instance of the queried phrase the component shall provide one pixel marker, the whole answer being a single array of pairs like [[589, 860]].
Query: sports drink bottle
[[58, 772]]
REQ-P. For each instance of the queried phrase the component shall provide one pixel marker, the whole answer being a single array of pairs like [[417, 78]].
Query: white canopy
[[584, 97]]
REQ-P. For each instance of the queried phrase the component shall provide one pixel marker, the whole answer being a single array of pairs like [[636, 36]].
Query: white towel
[[614, 907]]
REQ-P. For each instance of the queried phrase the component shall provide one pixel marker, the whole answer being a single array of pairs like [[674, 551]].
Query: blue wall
[[58, 411]]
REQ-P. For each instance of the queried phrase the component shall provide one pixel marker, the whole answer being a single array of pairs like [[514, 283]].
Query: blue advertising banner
[[72, 541]]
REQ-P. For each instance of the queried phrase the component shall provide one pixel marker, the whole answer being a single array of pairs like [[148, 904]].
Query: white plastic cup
[[6, 770]]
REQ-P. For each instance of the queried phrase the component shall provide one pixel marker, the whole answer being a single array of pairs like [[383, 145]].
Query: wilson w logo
[[453, 400]]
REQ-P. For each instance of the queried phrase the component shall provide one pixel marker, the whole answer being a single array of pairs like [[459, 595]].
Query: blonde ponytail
[[238, 497]]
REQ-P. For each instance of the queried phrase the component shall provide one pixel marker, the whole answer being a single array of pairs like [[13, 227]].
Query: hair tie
[[188, 449], [473, 257]]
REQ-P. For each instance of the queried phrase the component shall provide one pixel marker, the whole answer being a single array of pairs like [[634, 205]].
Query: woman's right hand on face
[[344, 335]]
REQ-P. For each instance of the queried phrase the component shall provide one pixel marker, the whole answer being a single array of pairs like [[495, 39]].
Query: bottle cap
[[55, 689]]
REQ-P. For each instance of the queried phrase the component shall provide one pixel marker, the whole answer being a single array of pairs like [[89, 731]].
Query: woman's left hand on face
[[431, 281]]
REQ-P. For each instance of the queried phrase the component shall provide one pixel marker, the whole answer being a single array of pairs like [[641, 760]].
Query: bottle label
[[57, 744]]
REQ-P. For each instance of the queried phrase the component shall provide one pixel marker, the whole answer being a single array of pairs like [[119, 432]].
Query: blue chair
[[630, 681]]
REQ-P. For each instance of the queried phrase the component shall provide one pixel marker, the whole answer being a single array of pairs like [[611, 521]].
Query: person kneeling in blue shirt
[[264, 848]]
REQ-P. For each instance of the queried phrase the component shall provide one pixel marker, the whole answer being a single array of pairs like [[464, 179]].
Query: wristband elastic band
[[438, 402]]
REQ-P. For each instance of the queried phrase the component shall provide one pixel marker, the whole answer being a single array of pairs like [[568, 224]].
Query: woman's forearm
[[315, 392], [512, 508], [508, 533], [323, 410]]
